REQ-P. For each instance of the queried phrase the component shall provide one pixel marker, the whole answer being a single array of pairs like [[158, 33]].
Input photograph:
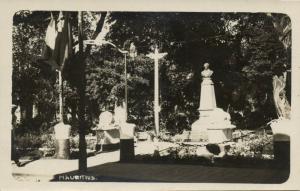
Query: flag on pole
[[50, 39], [63, 45], [58, 42], [51, 34]]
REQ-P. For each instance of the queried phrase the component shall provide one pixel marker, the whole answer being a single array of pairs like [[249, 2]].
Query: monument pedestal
[[213, 126], [281, 129], [127, 142], [62, 135], [199, 131], [220, 135]]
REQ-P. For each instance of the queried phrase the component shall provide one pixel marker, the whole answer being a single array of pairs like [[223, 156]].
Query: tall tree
[[32, 84], [281, 87]]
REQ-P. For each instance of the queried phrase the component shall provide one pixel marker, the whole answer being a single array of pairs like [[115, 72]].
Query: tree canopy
[[244, 50]]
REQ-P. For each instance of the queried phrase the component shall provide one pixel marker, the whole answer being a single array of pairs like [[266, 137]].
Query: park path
[[45, 169]]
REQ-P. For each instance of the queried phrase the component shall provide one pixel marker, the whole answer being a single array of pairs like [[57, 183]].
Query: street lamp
[[132, 53]]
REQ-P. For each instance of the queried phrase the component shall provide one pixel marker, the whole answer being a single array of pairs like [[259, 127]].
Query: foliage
[[251, 146], [32, 83], [243, 49], [34, 140], [248, 150], [90, 141], [48, 140], [28, 140]]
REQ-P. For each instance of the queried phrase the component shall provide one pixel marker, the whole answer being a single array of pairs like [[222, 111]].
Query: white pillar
[[156, 93], [126, 89], [156, 56], [60, 86]]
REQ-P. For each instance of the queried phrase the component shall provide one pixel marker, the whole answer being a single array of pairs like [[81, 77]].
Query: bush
[[90, 142], [33, 140], [48, 140], [252, 146], [74, 142], [28, 141]]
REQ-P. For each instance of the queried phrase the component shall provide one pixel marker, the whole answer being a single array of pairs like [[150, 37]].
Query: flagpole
[[126, 90], [62, 130], [156, 93], [60, 85]]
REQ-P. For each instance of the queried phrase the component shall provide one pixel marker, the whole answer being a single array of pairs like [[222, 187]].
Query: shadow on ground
[[232, 171]]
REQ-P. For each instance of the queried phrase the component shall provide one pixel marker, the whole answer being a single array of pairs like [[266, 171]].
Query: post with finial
[[156, 56]]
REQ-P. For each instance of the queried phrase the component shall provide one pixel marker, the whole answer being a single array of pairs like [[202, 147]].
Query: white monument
[[213, 124]]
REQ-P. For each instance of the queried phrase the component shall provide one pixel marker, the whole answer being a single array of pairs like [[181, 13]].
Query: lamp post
[[124, 52], [126, 130], [132, 53]]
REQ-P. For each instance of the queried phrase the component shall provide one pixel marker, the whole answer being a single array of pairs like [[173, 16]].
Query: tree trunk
[[282, 105], [282, 24], [81, 89]]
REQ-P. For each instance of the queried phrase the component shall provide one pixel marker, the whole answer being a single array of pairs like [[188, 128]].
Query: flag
[[51, 34], [58, 42], [63, 45], [50, 39]]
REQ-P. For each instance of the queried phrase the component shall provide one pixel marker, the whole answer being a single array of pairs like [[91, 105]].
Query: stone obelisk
[[207, 96]]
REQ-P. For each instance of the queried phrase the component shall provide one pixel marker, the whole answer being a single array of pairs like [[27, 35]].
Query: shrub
[[74, 142], [48, 140], [90, 142], [252, 146], [28, 141]]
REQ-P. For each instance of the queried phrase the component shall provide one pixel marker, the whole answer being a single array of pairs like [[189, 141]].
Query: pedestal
[[281, 139], [62, 135], [282, 153], [62, 149], [127, 142], [126, 150], [199, 131], [220, 135], [213, 126]]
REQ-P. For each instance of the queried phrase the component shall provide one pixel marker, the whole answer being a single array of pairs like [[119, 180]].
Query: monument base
[[62, 149], [199, 131], [62, 135], [213, 126], [220, 135]]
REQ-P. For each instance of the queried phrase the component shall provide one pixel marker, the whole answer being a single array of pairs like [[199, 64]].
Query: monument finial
[[206, 73], [206, 65]]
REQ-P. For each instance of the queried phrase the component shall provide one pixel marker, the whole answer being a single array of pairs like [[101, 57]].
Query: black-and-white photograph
[[169, 97]]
